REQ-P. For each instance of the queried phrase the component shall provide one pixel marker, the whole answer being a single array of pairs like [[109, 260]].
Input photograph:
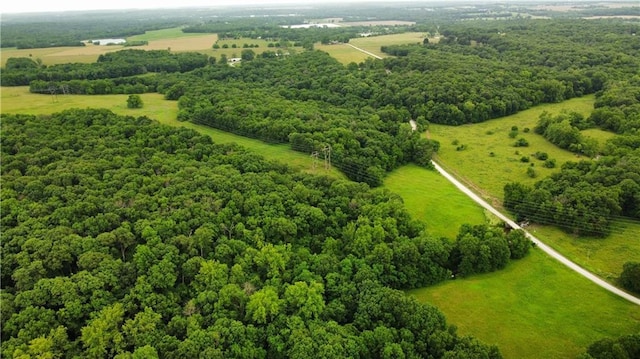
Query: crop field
[[20, 100], [432, 199], [173, 39], [534, 308], [490, 159]]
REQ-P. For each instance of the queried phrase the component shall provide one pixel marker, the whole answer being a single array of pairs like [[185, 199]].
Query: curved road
[[550, 251]]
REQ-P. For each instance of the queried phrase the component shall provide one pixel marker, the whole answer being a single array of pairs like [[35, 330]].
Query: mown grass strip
[[535, 308]]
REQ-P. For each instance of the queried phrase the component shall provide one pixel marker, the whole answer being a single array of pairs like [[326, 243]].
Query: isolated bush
[[550, 163], [630, 276], [134, 101], [542, 156]]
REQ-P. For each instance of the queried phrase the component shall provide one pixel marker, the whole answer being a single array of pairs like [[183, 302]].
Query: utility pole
[[327, 156], [314, 158]]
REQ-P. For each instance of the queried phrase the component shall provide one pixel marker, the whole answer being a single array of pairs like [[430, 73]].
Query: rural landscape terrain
[[283, 181]]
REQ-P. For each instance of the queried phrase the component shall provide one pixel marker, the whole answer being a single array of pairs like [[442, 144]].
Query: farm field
[[534, 308], [173, 39], [432, 199], [20, 100]]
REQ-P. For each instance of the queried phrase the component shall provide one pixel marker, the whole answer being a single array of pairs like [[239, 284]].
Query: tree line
[[584, 196], [126, 238], [126, 63]]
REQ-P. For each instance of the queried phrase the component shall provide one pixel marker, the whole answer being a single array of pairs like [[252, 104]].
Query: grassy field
[[602, 256], [173, 39], [429, 197], [488, 174], [535, 308], [347, 54], [20, 100], [230, 52], [478, 167]]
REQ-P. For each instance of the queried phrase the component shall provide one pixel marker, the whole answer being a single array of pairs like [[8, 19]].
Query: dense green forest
[[124, 237]]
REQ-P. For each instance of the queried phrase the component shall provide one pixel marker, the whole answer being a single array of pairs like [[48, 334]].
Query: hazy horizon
[[37, 6]]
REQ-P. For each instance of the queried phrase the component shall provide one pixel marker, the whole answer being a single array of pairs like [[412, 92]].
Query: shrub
[[542, 156], [134, 101], [521, 142], [524, 159], [532, 172], [550, 163]]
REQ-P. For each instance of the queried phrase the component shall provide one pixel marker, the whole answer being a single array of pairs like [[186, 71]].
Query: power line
[[615, 226]]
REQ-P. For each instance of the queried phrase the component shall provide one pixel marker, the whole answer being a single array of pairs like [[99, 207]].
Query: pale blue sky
[[13, 6]]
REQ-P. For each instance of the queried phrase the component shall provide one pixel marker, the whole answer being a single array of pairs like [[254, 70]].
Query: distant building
[[103, 42]]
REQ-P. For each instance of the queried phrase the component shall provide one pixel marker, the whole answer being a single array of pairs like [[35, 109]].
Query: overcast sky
[[13, 6]]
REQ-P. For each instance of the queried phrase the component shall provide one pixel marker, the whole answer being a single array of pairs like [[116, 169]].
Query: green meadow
[[490, 159], [231, 52], [20, 100], [534, 308], [164, 34], [602, 256], [432, 199], [347, 54]]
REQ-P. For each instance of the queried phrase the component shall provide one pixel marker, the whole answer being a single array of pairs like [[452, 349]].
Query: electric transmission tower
[[327, 156]]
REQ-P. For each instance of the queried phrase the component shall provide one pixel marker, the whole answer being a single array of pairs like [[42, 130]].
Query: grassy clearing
[[345, 54], [478, 167], [230, 52], [20, 100], [488, 174], [164, 34], [602, 256], [598, 134], [429, 197], [373, 43], [535, 308]]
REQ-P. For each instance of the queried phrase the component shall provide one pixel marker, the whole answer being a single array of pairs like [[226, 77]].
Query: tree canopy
[[122, 237]]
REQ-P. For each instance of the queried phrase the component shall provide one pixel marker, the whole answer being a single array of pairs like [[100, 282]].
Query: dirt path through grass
[[366, 52], [548, 250]]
